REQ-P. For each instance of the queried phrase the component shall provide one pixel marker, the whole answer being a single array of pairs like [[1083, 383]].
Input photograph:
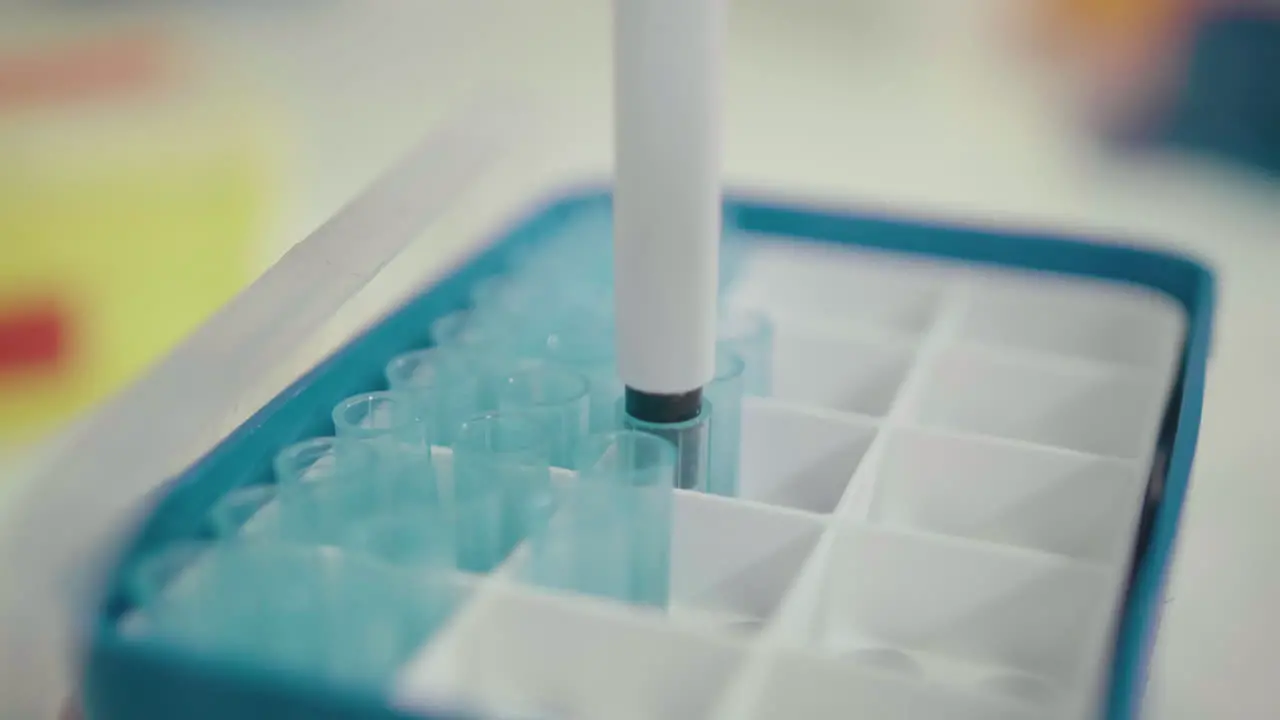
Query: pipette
[[667, 58]]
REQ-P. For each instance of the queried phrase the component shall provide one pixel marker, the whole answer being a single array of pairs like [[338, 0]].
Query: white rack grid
[[936, 515]]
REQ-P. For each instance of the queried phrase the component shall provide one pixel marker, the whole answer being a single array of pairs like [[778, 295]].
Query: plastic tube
[[638, 469], [251, 510], [586, 546], [555, 399], [501, 470], [323, 457], [585, 344], [317, 611], [724, 405], [387, 421], [749, 335], [445, 392], [416, 538]]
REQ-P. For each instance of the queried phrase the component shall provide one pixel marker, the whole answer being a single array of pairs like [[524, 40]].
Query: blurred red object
[[33, 336], [105, 67]]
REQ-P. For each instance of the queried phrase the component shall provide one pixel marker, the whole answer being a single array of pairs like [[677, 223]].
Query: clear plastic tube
[[478, 335], [586, 546], [417, 538], [158, 574], [639, 470], [515, 303], [586, 344], [445, 392], [503, 456], [692, 441], [323, 458], [455, 328], [387, 421], [733, 253], [326, 485], [722, 400], [555, 399], [749, 335], [165, 588], [323, 512], [315, 610], [488, 346], [249, 510]]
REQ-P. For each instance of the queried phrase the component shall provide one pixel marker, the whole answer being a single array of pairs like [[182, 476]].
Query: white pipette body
[[667, 194]]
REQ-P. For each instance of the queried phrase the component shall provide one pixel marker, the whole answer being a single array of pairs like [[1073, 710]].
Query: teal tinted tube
[[504, 455], [323, 458], [586, 345], [417, 538], [388, 422], [556, 400], [316, 611], [250, 510], [446, 392], [749, 335], [722, 400], [640, 468], [586, 546]]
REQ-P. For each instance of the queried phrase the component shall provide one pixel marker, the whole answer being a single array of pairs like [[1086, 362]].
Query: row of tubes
[[505, 432]]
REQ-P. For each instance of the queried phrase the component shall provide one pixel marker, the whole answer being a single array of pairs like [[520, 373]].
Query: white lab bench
[[866, 102]]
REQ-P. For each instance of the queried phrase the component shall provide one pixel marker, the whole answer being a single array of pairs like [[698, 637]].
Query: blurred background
[[156, 157]]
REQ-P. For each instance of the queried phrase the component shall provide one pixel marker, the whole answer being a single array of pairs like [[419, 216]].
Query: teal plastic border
[[128, 679]]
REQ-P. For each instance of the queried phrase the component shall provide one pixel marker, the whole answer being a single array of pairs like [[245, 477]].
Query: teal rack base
[[127, 679]]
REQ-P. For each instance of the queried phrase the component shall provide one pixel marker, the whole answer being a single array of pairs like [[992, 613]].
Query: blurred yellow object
[[1099, 19], [1119, 56], [130, 197], [1115, 27]]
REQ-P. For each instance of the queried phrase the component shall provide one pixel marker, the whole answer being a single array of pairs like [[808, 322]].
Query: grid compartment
[[966, 603], [1091, 408], [821, 369], [840, 287], [523, 654], [1099, 321], [732, 563], [1059, 502], [804, 685], [796, 459]]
